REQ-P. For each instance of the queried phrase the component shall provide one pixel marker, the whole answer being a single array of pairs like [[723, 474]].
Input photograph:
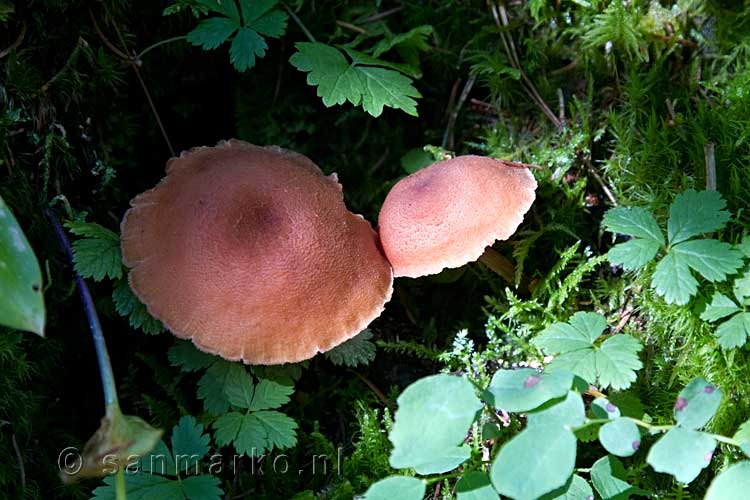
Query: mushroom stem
[[498, 263], [105, 367]]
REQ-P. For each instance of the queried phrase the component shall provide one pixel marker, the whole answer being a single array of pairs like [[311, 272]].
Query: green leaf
[[575, 489], [633, 221], [185, 355], [239, 388], [734, 332], [613, 363], [526, 389], [141, 487], [202, 488], [212, 32], [695, 212], [128, 305], [436, 412], [536, 461], [189, 444], [98, 258], [338, 81], [696, 404], [743, 437], [720, 307], [91, 230], [271, 24], [603, 408], [227, 8], [569, 413], [673, 280], [226, 427], [21, 298], [270, 394], [608, 476], [475, 485], [732, 484], [396, 487], [683, 453], [362, 59], [415, 38], [246, 45], [416, 159], [212, 385], [280, 429], [358, 350], [633, 254], [620, 437], [712, 259]]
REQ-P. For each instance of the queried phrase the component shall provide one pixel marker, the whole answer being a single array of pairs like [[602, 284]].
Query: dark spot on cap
[[680, 404]]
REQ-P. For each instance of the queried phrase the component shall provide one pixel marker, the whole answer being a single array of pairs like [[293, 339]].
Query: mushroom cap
[[446, 214], [251, 253]]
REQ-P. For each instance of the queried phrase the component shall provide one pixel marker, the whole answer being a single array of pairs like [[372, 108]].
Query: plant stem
[[148, 49], [120, 491], [299, 23], [105, 367], [451, 475]]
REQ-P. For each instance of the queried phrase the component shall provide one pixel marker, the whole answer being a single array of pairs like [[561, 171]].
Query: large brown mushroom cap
[[252, 254], [446, 214]]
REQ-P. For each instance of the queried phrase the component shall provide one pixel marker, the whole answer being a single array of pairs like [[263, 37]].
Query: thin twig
[[381, 15], [518, 164], [19, 458], [374, 389], [571, 65], [352, 27], [448, 136], [600, 181], [299, 22], [561, 104], [708, 152], [44, 88], [151, 47], [15, 44]]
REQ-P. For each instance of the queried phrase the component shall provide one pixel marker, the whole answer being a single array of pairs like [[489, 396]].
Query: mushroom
[[251, 253], [444, 215]]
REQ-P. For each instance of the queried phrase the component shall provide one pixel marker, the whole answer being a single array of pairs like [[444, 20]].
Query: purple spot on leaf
[[709, 389], [611, 408], [708, 456], [531, 381], [636, 445], [680, 404]]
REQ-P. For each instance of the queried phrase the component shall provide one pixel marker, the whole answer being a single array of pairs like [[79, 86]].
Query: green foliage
[[612, 362], [22, 305], [732, 483], [732, 332], [97, 254], [691, 214], [249, 24], [170, 474], [356, 351], [406, 488], [365, 81]]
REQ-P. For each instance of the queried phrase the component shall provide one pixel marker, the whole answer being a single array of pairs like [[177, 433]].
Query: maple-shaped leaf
[[612, 363], [97, 254]]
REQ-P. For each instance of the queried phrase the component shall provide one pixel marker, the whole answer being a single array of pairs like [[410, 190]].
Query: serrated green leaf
[[358, 350], [634, 221], [251, 439], [212, 385], [189, 444], [734, 332], [226, 427], [608, 476], [683, 453], [185, 355], [575, 489], [475, 485], [743, 437], [612, 364], [695, 212], [673, 280], [141, 487], [712, 259], [22, 302], [720, 306], [697, 403], [400, 487], [270, 394], [91, 230], [97, 259], [213, 32], [633, 254], [620, 437], [535, 462], [603, 408], [436, 412], [158, 461], [271, 23], [203, 487], [247, 44], [239, 388], [362, 59], [227, 8], [280, 429], [732, 484], [128, 305], [568, 413], [526, 389], [338, 81]]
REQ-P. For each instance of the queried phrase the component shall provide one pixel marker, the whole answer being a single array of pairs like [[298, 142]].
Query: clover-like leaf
[[683, 453], [697, 403], [401, 487], [568, 413], [620, 437], [475, 485], [694, 213], [635, 221], [575, 489], [436, 412], [720, 306], [526, 389], [609, 478]]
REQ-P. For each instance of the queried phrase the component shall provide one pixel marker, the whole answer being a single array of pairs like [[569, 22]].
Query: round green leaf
[[683, 453], [603, 408], [526, 389], [608, 476], [475, 486], [436, 413], [697, 403], [731, 484], [401, 487], [21, 299], [620, 437], [575, 489], [535, 462], [568, 413]]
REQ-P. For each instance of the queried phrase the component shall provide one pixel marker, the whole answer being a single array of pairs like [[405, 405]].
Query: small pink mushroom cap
[[251, 253], [445, 215]]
